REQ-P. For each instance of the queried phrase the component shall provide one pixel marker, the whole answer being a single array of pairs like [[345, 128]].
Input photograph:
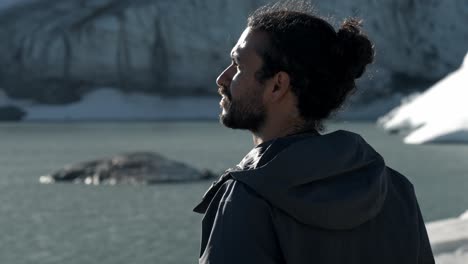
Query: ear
[[281, 86]]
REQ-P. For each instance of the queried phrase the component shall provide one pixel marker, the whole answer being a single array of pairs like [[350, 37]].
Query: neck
[[278, 128]]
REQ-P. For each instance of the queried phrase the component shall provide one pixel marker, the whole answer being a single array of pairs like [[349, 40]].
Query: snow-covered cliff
[[55, 51], [416, 38]]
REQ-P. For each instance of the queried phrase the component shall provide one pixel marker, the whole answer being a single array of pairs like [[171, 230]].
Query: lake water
[[71, 223]]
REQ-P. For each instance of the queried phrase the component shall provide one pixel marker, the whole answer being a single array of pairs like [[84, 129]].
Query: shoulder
[[238, 194], [402, 192], [237, 228], [236, 200], [399, 179]]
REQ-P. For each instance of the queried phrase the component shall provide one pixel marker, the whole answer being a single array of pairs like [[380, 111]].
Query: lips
[[224, 93]]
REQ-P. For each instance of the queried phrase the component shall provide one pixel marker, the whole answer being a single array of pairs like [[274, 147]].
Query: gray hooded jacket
[[312, 198]]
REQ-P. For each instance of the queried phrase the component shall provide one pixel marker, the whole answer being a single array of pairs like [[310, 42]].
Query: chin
[[223, 111], [226, 120], [240, 117], [234, 122]]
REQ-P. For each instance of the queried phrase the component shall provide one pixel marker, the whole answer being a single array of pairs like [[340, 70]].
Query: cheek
[[240, 84], [236, 84]]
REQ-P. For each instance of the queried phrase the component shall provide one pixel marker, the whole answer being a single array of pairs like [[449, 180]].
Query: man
[[298, 196]]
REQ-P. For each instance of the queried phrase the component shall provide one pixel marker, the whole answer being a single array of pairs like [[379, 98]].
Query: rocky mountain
[[54, 51]]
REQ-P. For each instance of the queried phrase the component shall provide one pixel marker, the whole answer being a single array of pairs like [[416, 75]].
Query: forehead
[[249, 43]]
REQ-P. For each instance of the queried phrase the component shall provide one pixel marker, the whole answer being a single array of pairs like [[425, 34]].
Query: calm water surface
[[67, 223]]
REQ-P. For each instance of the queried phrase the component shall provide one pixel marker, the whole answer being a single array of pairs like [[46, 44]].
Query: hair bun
[[354, 48]]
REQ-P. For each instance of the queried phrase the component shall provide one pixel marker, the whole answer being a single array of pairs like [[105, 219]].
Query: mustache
[[224, 91]]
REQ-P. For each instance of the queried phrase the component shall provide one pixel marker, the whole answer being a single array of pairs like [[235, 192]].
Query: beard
[[245, 113]]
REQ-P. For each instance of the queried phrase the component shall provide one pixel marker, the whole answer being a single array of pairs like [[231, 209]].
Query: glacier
[[55, 51], [438, 115]]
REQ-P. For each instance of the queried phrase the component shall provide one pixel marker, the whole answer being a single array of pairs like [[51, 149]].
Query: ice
[[111, 104], [438, 115], [449, 239]]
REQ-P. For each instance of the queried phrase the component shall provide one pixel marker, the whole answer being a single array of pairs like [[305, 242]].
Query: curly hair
[[322, 63]]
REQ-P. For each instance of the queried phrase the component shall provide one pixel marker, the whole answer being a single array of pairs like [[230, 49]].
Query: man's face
[[242, 95]]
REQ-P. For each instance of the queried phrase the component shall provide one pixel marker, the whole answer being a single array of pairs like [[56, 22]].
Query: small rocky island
[[130, 168]]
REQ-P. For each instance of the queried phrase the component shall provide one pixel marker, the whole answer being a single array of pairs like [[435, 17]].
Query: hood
[[332, 181]]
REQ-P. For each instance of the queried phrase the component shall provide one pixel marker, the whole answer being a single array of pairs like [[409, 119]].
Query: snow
[[449, 239], [438, 115], [111, 104]]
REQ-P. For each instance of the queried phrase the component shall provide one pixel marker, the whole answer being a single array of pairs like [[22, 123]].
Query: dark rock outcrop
[[11, 113], [131, 168]]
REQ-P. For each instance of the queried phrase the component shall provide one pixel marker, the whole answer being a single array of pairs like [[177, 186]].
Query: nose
[[224, 79]]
